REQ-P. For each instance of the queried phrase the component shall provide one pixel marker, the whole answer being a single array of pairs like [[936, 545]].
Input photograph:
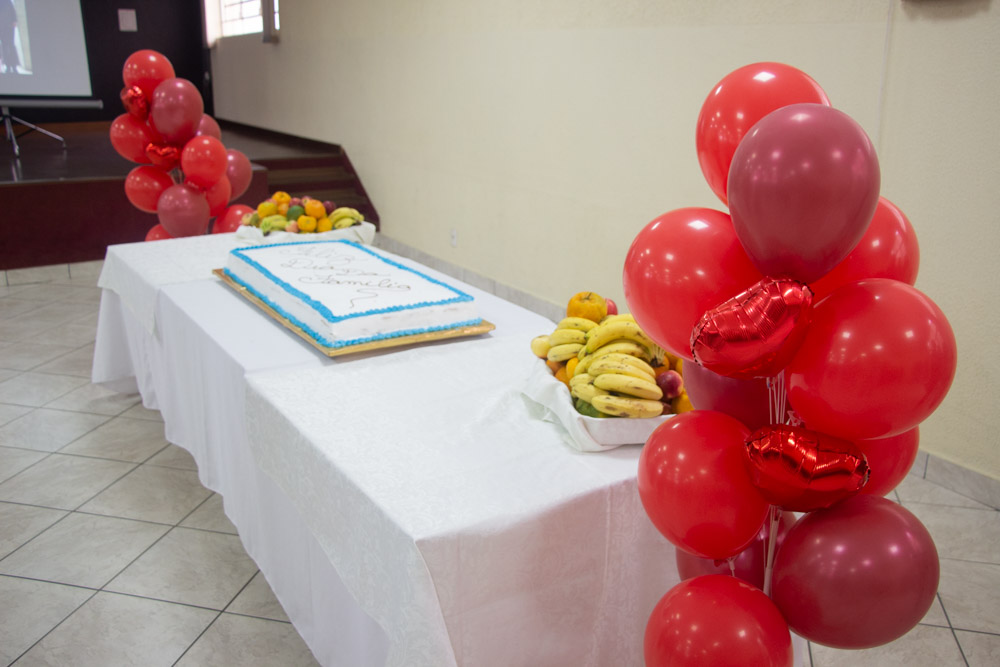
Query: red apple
[[612, 307], [671, 383]]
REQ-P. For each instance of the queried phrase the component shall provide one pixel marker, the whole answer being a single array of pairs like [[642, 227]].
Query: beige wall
[[548, 132]]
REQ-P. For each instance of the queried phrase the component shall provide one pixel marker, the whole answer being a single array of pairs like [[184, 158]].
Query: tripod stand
[[9, 120]]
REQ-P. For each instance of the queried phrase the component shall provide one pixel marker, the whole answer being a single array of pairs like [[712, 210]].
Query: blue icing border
[[459, 297]]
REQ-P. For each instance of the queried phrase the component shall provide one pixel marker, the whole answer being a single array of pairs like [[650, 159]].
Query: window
[[225, 18]]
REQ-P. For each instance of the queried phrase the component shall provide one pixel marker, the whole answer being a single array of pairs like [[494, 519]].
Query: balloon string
[[772, 540], [777, 399], [732, 565]]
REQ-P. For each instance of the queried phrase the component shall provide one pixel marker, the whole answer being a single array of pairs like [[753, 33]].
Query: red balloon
[[146, 69], [176, 110], [130, 136], [183, 211], [680, 265], [218, 197], [736, 103], [748, 565], [856, 575], [157, 233], [747, 400], [203, 161], [144, 185], [208, 127], [238, 171], [801, 470], [231, 219], [163, 156], [135, 102], [877, 360], [887, 250], [695, 487], [716, 620], [755, 333], [803, 186], [889, 460]]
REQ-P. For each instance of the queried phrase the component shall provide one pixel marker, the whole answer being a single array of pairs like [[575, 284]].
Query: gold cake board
[[457, 332]]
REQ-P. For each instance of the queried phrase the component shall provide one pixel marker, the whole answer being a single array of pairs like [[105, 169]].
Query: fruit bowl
[[587, 434], [363, 232]]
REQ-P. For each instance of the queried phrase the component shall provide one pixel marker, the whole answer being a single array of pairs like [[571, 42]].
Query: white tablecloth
[[406, 506]]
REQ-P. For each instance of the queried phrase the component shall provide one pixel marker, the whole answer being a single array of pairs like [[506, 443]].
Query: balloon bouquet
[[810, 359], [186, 175]]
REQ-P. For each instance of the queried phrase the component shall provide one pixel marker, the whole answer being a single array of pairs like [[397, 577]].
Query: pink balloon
[[890, 460], [176, 110], [887, 250], [746, 400], [238, 171], [231, 219], [877, 360], [736, 103], [716, 620], [695, 488], [183, 211], [856, 575], [157, 233], [803, 186], [748, 565], [680, 265], [208, 127]]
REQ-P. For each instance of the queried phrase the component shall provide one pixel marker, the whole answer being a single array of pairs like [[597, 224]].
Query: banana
[[645, 370], [586, 389], [621, 317], [344, 211], [343, 221], [581, 323], [605, 333], [540, 346], [563, 352], [624, 406], [604, 365], [563, 336], [629, 385], [624, 346]]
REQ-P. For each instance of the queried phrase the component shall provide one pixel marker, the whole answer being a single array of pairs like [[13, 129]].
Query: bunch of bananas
[[345, 216], [610, 367]]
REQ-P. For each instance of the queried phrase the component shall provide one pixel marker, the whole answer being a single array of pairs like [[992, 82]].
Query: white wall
[[549, 132]]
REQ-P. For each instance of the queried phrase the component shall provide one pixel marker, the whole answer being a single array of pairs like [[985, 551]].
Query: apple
[[329, 206], [612, 307], [671, 383]]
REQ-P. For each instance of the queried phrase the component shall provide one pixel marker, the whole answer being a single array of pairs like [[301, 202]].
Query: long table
[[408, 506]]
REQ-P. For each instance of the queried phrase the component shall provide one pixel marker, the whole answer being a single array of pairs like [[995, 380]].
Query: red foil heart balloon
[[755, 333], [135, 102], [801, 470], [164, 157]]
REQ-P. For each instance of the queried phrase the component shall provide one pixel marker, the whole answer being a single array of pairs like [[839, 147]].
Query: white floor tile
[[174, 457], [30, 609], [150, 493], [960, 532], [36, 389], [191, 567], [62, 482], [257, 599], [95, 399], [248, 642], [83, 550], [924, 645], [13, 461], [9, 413], [121, 630], [121, 439], [981, 650], [23, 522], [48, 430], [970, 593], [79, 362], [210, 516], [24, 356]]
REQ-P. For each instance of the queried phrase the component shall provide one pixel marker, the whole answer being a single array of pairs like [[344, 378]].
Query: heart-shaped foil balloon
[[163, 156], [755, 333], [135, 102], [801, 470]]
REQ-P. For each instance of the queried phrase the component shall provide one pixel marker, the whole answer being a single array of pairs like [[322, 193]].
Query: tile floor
[[112, 553]]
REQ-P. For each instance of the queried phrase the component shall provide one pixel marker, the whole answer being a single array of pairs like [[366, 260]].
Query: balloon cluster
[[186, 175], [811, 360]]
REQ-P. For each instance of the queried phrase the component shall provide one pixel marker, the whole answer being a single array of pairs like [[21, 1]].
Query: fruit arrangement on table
[[608, 363], [300, 215]]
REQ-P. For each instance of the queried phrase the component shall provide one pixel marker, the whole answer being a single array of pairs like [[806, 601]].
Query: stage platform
[[63, 205]]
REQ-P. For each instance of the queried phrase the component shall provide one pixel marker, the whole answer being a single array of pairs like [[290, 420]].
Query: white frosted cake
[[341, 293]]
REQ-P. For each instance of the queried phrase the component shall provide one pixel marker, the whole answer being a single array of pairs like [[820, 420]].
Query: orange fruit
[[590, 305], [561, 376], [682, 404], [571, 366], [679, 366], [554, 365], [281, 197], [266, 208], [307, 223], [314, 208], [283, 208], [324, 224]]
